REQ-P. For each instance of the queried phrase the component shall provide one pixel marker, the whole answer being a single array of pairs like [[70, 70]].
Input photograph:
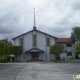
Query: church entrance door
[[35, 55]]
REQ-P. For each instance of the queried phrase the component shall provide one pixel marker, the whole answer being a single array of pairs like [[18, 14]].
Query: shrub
[[15, 50], [2, 48], [3, 58]]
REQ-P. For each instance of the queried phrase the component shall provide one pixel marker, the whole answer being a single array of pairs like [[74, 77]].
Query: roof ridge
[[33, 30]]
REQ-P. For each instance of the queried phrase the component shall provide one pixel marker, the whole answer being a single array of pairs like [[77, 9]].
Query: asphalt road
[[38, 71]]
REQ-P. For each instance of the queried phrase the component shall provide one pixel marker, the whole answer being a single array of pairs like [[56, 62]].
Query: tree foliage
[[75, 34], [2, 48], [15, 50], [7, 44], [4, 44], [57, 49], [77, 48], [5, 41]]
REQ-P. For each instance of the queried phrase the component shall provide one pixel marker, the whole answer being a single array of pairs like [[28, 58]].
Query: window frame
[[68, 54], [21, 41], [48, 41], [34, 40], [69, 45]]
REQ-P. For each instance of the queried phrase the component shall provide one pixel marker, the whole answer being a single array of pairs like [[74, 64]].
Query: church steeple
[[34, 27]]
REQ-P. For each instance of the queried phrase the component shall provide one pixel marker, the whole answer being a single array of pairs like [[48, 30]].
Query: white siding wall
[[69, 49], [41, 56], [48, 54], [41, 43], [52, 41], [27, 41], [17, 42], [28, 56]]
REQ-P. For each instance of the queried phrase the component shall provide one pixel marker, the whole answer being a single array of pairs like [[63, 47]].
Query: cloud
[[55, 17], [8, 23], [76, 5]]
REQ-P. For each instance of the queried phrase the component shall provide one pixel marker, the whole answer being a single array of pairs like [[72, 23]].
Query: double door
[[35, 55]]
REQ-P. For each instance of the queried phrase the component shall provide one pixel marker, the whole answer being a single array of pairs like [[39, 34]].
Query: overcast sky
[[55, 17]]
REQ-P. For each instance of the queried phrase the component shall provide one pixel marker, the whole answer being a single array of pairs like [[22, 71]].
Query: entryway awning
[[35, 50]]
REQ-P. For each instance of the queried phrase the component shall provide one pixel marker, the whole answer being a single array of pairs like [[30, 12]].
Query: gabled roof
[[59, 40], [47, 34], [21, 34], [34, 50], [31, 31]]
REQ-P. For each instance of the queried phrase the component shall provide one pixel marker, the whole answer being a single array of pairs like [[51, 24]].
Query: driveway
[[38, 71]]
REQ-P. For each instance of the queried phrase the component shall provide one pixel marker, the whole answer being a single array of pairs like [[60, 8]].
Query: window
[[34, 40], [48, 42], [69, 45], [21, 41], [69, 53]]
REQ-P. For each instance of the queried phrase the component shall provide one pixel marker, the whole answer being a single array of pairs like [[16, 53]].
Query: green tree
[[7, 44], [77, 48], [15, 50], [2, 48], [75, 34], [4, 44], [57, 49], [6, 41]]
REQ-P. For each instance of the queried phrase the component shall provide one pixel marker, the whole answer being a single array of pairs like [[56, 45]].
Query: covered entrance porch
[[35, 55]]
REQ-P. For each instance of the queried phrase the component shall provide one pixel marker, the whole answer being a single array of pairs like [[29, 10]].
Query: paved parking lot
[[38, 71]]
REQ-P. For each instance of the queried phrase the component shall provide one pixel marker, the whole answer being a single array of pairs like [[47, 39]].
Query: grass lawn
[[74, 60]]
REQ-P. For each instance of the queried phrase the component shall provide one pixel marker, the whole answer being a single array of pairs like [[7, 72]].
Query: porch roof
[[34, 50]]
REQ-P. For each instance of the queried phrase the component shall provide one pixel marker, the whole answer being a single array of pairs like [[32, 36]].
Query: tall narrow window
[[34, 40], [48, 41], [21, 41]]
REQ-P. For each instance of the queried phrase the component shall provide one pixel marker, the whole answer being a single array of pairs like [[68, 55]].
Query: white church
[[36, 45]]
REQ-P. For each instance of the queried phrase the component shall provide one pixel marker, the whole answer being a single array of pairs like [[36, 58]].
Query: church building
[[36, 45]]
